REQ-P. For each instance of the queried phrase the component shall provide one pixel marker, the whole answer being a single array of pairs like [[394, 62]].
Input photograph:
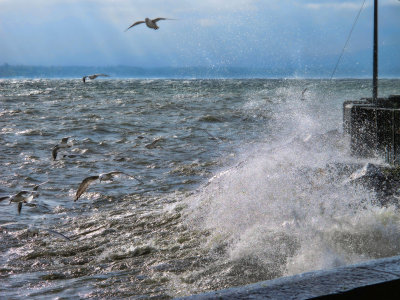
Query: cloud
[[343, 5], [333, 5], [207, 32]]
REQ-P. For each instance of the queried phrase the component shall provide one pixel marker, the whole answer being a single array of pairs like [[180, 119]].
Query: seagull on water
[[94, 76], [102, 177], [149, 22]]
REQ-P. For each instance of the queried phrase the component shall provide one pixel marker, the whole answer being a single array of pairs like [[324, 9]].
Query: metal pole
[[375, 58]]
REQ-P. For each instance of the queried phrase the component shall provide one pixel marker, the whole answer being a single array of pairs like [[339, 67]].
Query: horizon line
[[8, 71]]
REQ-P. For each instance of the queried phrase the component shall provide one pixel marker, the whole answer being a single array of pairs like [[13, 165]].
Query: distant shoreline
[[248, 77], [129, 72]]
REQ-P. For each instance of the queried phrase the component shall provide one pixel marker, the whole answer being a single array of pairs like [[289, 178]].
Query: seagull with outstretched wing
[[102, 177], [149, 22], [93, 76], [22, 197], [63, 144]]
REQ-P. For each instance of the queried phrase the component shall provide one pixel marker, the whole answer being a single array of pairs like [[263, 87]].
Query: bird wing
[[21, 193], [84, 78], [36, 187], [134, 24], [54, 152], [115, 173], [211, 136], [153, 143], [4, 198], [137, 179], [159, 19], [123, 173], [58, 234], [19, 207], [109, 176], [84, 185], [105, 75], [20, 197]]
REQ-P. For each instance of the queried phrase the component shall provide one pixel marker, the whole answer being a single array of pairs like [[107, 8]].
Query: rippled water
[[242, 186]]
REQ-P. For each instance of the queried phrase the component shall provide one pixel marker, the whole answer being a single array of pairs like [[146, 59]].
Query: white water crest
[[284, 205]]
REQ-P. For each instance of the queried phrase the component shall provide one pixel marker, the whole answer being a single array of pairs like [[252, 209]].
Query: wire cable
[[348, 38]]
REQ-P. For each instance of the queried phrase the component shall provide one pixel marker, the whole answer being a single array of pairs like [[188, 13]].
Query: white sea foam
[[285, 207]]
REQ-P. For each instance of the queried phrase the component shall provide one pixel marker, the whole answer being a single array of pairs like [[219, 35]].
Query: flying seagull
[[55, 151], [94, 76], [303, 93], [73, 237], [150, 23], [154, 143], [20, 198], [211, 136], [63, 144], [102, 177], [58, 234], [24, 197]]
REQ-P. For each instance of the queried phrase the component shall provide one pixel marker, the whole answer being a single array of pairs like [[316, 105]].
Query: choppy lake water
[[237, 189]]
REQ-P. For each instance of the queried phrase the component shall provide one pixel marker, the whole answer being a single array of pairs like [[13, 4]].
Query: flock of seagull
[[83, 186], [151, 23], [25, 197]]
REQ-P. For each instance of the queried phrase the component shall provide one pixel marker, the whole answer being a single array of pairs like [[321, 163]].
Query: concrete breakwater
[[376, 279]]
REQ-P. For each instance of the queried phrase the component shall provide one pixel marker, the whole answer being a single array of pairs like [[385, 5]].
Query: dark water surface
[[235, 190]]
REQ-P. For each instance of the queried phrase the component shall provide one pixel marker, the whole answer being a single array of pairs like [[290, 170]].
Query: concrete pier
[[373, 127], [376, 279]]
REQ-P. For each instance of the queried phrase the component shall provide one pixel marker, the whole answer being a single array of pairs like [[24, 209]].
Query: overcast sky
[[300, 34]]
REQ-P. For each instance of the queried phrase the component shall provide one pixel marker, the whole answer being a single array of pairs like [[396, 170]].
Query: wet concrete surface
[[375, 279]]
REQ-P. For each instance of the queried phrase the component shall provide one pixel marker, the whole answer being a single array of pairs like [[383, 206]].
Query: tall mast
[[375, 56]]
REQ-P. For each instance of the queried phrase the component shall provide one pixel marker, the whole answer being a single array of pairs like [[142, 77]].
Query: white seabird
[[93, 76], [102, 177], [150, 23]]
